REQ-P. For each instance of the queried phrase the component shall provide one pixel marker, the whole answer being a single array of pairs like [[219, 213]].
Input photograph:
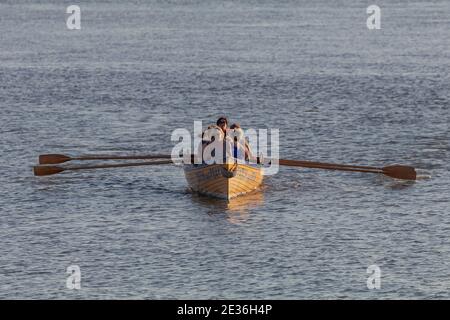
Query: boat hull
[[225, 181]]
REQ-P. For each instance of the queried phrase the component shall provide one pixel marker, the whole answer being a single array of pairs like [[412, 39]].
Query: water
[[337, 91]]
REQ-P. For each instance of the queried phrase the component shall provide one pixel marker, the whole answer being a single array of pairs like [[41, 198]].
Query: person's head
[[222, 122], [238, 134], [213, 132]]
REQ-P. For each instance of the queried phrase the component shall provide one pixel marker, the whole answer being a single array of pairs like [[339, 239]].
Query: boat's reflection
[[236, 210]]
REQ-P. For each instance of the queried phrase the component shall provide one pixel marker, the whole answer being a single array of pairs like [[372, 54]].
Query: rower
[[240, 144], [209, 137], [222, 123]]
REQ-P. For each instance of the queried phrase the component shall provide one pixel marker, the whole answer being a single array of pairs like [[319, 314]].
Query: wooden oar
[[61, 158], [394, 171], [49, 170]]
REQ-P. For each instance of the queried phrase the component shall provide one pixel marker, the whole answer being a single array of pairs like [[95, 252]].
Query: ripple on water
[[336, 94]]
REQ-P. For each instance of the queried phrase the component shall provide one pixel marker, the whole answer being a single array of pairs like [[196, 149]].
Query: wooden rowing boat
[[224, 181]]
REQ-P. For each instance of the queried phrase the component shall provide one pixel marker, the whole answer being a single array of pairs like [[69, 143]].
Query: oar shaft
[[394, 171], [61, 158], [329, 166], [313, 164], [50, 170], [137, 157], [121, 165]]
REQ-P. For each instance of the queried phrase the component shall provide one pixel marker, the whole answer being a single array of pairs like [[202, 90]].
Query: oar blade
[[53, 158], [46, 170], [400, 172]]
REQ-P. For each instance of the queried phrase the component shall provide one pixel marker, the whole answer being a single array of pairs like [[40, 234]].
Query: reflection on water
[[400, 184], [237, 210]]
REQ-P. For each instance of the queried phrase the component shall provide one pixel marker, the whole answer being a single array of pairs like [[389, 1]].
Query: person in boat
[[209, 136], [241, 148], [222, 123]]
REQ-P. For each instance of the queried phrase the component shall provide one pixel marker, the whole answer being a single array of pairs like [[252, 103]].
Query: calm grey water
[[337, 91]]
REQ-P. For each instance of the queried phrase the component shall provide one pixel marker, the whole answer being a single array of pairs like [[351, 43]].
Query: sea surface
[[137, 70]]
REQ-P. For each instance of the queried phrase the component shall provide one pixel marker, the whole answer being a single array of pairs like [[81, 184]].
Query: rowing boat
[[225, 181]]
